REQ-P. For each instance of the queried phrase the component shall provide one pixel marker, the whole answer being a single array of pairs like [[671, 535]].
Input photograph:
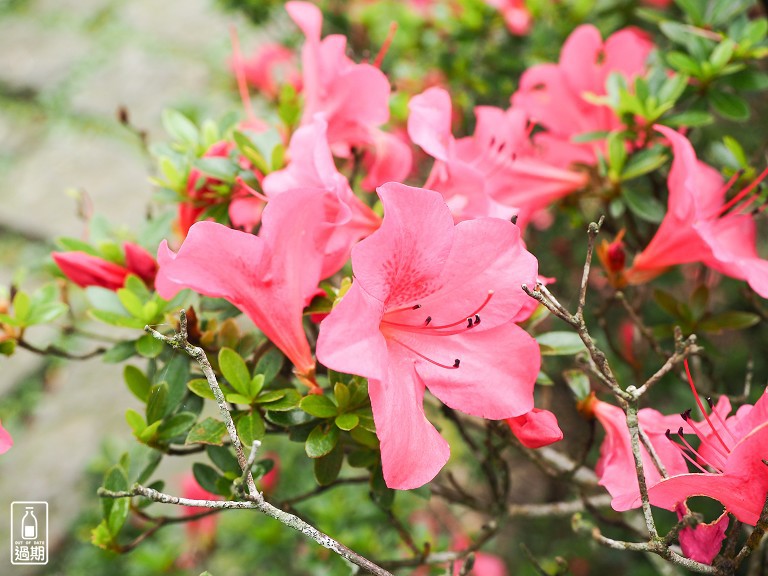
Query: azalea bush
[[461, 287]]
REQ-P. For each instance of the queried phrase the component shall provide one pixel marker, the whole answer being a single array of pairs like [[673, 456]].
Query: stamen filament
[[240, 182], [698, 455], [685, 454], [412, 328], [701, 407], [455, 365], [725, 207], [242, 84], [720, 419], [701, 436], [385, 46]]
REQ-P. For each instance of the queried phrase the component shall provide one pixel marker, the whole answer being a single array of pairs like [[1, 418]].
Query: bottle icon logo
[[29, 524], [29, 533]]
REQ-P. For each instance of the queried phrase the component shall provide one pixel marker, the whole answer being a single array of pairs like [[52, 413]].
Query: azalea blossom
[[558, 96], [311, 166], [354, 98], [5, 440], [703, 541], [88, 270], [270, 67], [497, 171], [700, 226], [201, 194], [516, 15], [432, 306], [536, 428], [270, 277], [730, 463]]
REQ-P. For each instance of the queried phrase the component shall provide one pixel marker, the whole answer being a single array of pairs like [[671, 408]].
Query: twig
[[592, 231], [634, 434], [683, 349], [754, 539], [254, 498], [288, 503], [638, 322], [52, 350]]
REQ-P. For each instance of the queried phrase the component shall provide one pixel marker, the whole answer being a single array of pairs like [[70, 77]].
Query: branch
[[254, 498], [52, 350], [634, 434], [592, 232], [683, 349], [253, 503]]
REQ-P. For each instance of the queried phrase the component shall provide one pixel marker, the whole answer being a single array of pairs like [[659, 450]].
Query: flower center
[[429, 328], [717, 450]]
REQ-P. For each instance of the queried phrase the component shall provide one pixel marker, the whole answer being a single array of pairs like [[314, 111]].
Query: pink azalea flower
[[616, 465], [353, 97], [699, 227], [245, 208], [87, 270], [516, 15], [5, 440], [270, 277], [703, 541], [202, 527], [731, 457], [432, 307], [311, 166], [497, 171], [536, 428], [553, 95], [270, 67]]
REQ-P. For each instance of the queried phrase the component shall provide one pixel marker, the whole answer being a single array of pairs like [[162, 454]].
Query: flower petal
[[536, 428]]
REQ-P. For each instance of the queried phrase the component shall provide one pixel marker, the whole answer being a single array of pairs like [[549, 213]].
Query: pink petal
[[140, 262], [703, 542], [416, 237], [412, 451], [390, 161], [5, 440], [429, 122], [350, 340], [307, 16], [87, 270], [507, 357], [536, 428]]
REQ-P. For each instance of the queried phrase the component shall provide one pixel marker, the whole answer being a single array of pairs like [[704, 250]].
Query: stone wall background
[[66, 66]]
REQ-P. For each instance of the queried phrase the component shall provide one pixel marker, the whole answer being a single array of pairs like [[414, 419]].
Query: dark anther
[[469, 322], [513, 219], [668, 434], [493, 141], [709, 401], [680, 431], [502, 146], [477, 319], [428, 320], [456, 363], [416, 307], [685, 415]]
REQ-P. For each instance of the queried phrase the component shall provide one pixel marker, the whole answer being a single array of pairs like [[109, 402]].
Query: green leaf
[[321, 441], [578, 382], [135, 421], [728, 105], [115, 510], [289, 401], [382, 495], [643, 205], [667, 302], [347, 421], [176, 425], [115, 319], [255, 386], [200, 387], [137, 382], [289, 418], [673, 88], [560, 343], [270, 365], [250, 427], [149, 346], [342, 395], [693, 9], [8, 347], [643, 162], [735, 148], [157, 403], [319, 406], [729, 321], [235, 398], [327, 467], [691, 119], [209, 431], [589, 136], [233, 368], [364, 437], [149, 434], [119, 352], [219, 168], [223, 458], [44, 312], [722, 54], [684, 64], [207, 477], [132, 303], [22, 304], [544, 380], [271, 395], [179, 127]]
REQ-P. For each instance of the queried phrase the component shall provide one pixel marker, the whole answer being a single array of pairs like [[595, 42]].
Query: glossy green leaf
[[347, 421], [200, 387], [234, 369], [135, 421], [289, 401], [176, 425], [120, 351], [149, 346], [250, 427], [224, 459], [207, 477], [578, 382], [327, 467], [319, 406], [321, 441], [270, 365], [137, 382], [115, 510], [179, 127], [728, 105], [560, 343], [209, 431], [643, 205], [729, 321], [157, 402]]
